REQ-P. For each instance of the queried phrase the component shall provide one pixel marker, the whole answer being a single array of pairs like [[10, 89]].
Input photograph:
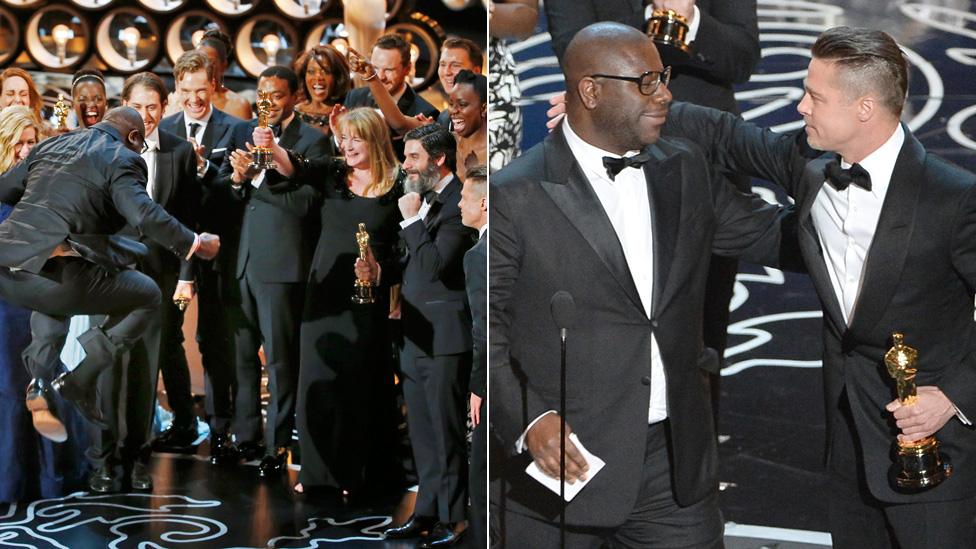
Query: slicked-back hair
[[193, 61], [477, 81], [284, 73], [870, 60], [437, 141], [478, 177], [394, 41], [333, 62], [147, 80], [474, 50]]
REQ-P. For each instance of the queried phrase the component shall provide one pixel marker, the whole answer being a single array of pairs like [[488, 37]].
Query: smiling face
[[318, 80], [282, 99], [468, 113], [23, 146], [148, 104], [452, 61], [196, 91], [354, 148], [391, 69], [89, 101], [14, 92]]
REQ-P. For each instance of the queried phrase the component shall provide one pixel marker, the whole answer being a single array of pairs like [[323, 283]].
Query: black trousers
[[655, 522], [435, 389], [478, 479], [128, 394], [270, 313], [858, 520], [216, 294]]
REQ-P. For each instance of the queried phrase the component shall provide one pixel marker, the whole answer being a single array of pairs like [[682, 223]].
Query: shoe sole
[[45, 423]]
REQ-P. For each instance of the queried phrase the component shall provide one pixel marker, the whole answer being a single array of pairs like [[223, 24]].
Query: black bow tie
[[616, 165], [276, 130], [430, 196], [841, 178]]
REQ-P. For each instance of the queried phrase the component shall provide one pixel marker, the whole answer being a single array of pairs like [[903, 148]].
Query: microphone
[[563, 309]]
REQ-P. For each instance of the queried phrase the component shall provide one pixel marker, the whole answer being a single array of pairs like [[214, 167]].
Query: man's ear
[[589, 92], [484, 203], [441, 160]]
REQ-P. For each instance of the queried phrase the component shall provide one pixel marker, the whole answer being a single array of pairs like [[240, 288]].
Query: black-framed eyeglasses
[[647, 82]]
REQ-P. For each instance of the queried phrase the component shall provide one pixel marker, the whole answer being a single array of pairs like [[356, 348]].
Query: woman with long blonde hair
[[19, 132], [346, 402]]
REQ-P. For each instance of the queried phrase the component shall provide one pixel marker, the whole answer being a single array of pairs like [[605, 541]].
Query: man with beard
[[276, 243], [60, 256], [436, 355]]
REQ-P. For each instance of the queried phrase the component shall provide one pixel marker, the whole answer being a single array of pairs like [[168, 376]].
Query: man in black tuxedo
[[276, 244], [625, 233], [474, 214], [214, 135], [436, 354], [60, 255], [171, 182], [888, 235], [724, 40], [391, 60]]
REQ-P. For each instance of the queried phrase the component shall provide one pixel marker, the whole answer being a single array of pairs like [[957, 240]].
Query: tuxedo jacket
[[435, 313], [476, 280], [177, 190], [725, 50], [223, 134], [549, 232], [918, 279], [82, 188], [278, 234]]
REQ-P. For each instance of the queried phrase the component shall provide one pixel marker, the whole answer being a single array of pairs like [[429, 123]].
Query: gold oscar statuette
[[261, 157], [181, 303], [61, 112], [668, 27], [919, 464], [363, 289]]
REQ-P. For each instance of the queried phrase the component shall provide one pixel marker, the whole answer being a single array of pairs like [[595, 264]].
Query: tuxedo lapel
[[569, 189], [292, 133], [889, 246], [163, 187], [663, 175]]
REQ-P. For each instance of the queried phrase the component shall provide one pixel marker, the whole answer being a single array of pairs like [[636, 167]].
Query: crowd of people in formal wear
[[330, 236]]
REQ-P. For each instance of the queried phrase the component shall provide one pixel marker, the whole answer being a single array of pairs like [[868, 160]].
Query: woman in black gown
[[346, 407]]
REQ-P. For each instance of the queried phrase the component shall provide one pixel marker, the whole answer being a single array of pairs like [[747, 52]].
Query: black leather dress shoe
[[413, 528], [273, 464], [250, 450], [86, 401], [140, 478], [45, 421], [177, 440], [104, 481], [223, 451], [442, 535]]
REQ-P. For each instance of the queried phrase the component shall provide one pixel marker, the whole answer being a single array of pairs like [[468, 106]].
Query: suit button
[[646, 380], [653, 323], [252, 208]]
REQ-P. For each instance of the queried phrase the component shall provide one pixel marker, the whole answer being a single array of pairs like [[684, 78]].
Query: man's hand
[[241, 162], [557, 111], [683, 7], [929, 413], [543, 443], [262, 137], [200, 151], [209, 246], [409, 205], [475, 403], [184, 291], [368, 270]]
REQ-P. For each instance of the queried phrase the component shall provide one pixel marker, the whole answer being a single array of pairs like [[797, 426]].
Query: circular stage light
[[303, 9], [232, 7], [425, 36], [57, 37], [127, 40], [329, 32], [263, 41], [9, 36], [163, 6], [185, 31], [92, 4]]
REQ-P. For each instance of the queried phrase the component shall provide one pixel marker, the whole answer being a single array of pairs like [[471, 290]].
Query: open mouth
[[91, 117], [459, 124]]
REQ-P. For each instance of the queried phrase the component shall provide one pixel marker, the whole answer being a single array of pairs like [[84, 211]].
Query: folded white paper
[[594, 462]]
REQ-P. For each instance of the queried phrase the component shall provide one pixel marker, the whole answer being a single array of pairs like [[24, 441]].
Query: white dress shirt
[[846, 221], [152, 147], [203, 125]]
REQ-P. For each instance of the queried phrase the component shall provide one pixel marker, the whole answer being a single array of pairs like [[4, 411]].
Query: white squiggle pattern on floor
[[45, 519], [373, 531]]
